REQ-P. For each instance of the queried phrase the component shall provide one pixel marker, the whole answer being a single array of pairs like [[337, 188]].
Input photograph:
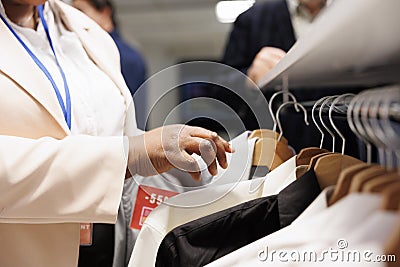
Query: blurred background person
[[262, 35], [259, 39]]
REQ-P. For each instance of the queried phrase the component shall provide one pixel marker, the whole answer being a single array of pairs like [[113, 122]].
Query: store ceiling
[[173, 24], [146, 5]]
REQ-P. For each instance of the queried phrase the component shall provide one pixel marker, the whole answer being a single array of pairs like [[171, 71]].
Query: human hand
[[167, 147], [264, 61]]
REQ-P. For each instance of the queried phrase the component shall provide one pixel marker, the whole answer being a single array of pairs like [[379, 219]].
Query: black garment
[[101, 252], [202, 241]]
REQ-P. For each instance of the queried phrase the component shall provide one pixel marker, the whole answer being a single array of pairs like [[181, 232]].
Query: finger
[[207, 134], [270, 59], [208, 150], [272, 51], [228, 147], [196, 176], [222, 147], [189, 164], [264, 64], [278, 52], [212, 168], [192, 145], [225, 144], [192, 167], [201, 132], [211, 149], [221, 152], [273, 61]]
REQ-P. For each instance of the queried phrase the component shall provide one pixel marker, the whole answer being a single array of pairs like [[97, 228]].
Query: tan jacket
[[49, 180]]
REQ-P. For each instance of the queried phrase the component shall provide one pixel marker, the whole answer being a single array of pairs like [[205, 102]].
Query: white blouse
[[96, 102]]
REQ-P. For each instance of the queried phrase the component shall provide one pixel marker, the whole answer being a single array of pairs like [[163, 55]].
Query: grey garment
[[123, 248], [125, 237]]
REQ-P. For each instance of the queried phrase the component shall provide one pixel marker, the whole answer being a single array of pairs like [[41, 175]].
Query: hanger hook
[[389, 102], [352, 124], [315, 121], [279, 121], [332, 122], [369, 110], [270, 105], [323, 123], [375, 100]]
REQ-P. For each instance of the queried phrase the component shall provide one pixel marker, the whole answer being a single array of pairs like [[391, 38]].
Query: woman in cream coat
[[61, 168]]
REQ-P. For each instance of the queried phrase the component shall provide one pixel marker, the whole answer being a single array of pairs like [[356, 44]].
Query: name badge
[[86, 234]]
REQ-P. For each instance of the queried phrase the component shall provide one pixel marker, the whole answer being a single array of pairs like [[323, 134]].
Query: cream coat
[[49, 180]]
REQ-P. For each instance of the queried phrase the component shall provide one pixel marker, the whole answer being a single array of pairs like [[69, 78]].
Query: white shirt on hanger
[[330, 224], [377, 228]]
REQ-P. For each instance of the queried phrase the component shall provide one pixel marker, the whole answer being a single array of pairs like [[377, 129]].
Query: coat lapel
[[87, 32], [20, 67], [105, 55], [31, 79]]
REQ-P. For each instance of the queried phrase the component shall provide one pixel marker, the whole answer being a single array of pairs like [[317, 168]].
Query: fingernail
[[214, 134], [214, 171], [197, 177], [231, 148], [225, 165]]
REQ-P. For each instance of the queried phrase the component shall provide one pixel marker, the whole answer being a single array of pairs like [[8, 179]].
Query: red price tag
[[147, 199]]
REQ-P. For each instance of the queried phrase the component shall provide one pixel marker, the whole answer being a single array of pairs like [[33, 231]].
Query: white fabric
[[331, 224], [239, 162], [377, 228], [98, 107], [301, 19], [173, 213], [374, 249]]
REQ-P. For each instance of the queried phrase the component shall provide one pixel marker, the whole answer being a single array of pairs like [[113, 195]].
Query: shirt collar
[[297, 9], [273, 181]]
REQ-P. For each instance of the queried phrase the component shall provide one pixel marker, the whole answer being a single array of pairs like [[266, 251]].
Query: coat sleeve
[[76, 179]]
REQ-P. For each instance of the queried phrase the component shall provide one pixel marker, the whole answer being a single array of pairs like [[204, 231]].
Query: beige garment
[[47, 175]]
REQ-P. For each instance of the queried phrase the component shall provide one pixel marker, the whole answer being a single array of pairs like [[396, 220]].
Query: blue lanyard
[[66, 108]]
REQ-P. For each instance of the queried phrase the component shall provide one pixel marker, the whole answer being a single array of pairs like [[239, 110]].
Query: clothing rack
[[367, 114], [316, 186]]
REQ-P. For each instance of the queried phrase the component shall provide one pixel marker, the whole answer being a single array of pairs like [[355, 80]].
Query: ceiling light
[[228, 11]]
